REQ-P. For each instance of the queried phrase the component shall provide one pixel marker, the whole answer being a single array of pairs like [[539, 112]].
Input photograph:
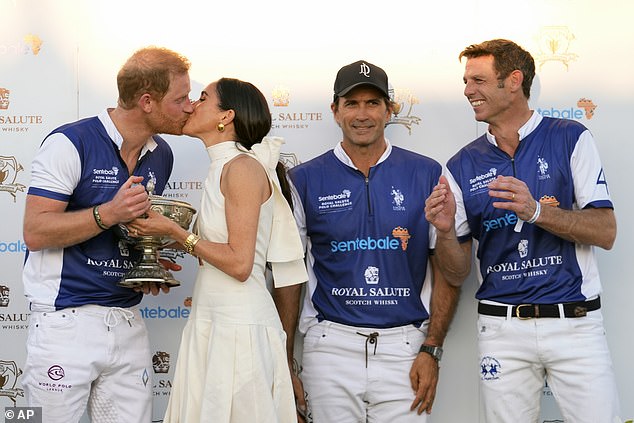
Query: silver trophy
[[148, 269]]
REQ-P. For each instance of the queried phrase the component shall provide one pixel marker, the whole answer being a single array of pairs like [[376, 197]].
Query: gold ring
[[512, 196]]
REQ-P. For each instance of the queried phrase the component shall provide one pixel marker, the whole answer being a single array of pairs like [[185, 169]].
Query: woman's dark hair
[[252, 120]]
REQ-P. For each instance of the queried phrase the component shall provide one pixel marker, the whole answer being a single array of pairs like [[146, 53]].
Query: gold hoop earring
[[221, 127]]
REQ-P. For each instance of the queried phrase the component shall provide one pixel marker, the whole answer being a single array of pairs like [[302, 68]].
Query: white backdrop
[[59, 59]]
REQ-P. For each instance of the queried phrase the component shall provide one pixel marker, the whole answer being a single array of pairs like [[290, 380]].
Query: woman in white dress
[[232, 363]]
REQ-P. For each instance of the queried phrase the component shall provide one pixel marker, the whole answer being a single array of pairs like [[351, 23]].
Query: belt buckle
[[517, 311]]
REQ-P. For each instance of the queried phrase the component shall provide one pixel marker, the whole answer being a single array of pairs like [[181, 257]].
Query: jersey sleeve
[[56, 168], [463, 232], [590, 184]]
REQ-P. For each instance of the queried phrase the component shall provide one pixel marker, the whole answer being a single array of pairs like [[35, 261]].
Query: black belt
[[529, 311]]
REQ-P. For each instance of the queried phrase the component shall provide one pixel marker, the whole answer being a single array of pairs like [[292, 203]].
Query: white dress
[[232, 365]]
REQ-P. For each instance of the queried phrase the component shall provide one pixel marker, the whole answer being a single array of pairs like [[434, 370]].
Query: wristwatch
[[434, 351]]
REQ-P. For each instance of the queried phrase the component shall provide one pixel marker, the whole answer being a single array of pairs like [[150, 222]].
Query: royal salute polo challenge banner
[[59, 60]]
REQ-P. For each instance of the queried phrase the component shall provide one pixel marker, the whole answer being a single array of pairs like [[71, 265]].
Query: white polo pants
[[571, 353], [351, 375], [90, 356]]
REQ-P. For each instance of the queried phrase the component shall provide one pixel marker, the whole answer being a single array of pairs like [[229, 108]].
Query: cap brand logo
[[365, 70]]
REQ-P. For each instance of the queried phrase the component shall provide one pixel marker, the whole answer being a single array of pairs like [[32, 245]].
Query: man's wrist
[[98, 220], [433, 350]]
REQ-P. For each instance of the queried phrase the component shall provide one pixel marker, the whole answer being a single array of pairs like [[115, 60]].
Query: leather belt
[[530, 311]]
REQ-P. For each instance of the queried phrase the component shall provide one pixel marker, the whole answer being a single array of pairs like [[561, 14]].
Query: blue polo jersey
[[520, 262], [80, 164], [368, 239]]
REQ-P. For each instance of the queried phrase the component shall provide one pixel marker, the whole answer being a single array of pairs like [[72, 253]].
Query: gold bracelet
[[190, 243], [97, 216]]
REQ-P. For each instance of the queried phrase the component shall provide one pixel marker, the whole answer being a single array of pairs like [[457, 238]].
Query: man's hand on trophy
[[130, 202], [153, 288]]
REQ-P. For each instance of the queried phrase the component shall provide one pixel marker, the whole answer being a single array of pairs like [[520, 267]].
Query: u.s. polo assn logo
[[397, 199]]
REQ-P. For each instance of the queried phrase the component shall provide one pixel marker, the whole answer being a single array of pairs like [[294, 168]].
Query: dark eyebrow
[[204, 92]]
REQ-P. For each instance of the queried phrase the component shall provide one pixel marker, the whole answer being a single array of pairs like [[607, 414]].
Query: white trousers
[[90, 356], [353, 376], [571, 353]]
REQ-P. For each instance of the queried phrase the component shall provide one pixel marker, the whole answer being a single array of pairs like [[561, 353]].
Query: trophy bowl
[[148, 269]]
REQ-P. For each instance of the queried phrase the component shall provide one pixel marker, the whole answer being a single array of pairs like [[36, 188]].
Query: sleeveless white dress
[[232, 365]]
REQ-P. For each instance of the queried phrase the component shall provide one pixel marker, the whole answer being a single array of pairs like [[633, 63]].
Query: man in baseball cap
[[371, 350], [360, 73]]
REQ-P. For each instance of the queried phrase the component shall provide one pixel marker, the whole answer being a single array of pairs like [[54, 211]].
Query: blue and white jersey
[[367, 239], [80, 163], [522, 263]]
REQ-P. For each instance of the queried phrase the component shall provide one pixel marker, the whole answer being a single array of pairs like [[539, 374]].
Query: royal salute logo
[[161, 366], [15, 123], [281, 96], [9, 169], [4, 296], [182, 189], [9, 319], [4, 98], [403, 99], [9, 374], [371, 275], [554, 45], [290, 119], [161, 362]]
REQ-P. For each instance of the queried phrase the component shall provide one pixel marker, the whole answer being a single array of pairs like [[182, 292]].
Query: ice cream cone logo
[[402, 234]]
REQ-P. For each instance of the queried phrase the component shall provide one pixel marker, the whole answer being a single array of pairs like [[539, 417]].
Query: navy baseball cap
[[360, 73]]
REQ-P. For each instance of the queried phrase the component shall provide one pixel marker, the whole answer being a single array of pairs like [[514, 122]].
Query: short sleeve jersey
[[80, 164], [368, 239], [520, 262]]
